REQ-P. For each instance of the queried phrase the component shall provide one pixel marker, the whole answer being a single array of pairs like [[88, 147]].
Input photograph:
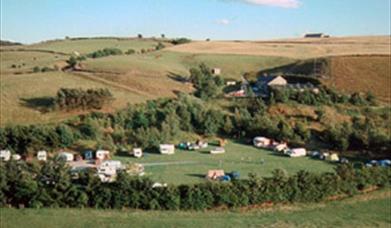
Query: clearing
[[237, 157]]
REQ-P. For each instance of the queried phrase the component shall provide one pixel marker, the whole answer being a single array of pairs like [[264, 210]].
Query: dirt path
[[169, 163]]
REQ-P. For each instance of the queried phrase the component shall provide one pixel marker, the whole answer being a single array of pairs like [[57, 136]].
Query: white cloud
[[277, 3], [223, 22]]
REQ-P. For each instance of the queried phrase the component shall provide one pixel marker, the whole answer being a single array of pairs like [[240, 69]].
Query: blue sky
[[36, 20]]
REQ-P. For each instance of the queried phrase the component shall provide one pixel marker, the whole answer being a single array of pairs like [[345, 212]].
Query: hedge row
[[51, 185]]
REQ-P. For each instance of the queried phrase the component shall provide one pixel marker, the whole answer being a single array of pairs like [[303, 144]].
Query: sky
[[30, 21]]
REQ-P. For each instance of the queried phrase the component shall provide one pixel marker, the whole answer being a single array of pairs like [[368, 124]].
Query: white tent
[[137, 152], [5, 155], [167, 148], [297, 152], [261, 142], [218, 150], [16, 157]]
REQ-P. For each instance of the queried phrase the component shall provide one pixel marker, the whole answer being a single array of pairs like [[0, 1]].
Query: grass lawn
[[369, 210], [238, 157]]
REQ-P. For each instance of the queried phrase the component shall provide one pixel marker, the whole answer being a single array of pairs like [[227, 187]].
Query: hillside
[[139, 77], [294, 48]]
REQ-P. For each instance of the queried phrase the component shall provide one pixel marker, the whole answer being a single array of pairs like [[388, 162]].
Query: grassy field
[[166, 62], [23, 95], [85, 46], [293, 48], [362, 74], [368, 210], [238, 157]]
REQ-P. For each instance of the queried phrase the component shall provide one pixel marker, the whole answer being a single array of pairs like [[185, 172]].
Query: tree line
[[70, 99], [52, 185]]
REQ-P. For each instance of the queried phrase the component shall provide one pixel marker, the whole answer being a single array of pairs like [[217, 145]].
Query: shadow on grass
[[196, 175], [177, 77], [42, 104]]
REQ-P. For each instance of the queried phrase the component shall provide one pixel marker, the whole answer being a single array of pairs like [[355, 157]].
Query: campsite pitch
[[238, 157]]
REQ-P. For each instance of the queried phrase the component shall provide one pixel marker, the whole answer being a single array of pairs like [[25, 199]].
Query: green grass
[[371, 210], [164, 62], [90, 45], [238, 157]]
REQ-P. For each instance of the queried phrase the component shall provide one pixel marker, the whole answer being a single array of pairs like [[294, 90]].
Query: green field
[[238, 157], [369, 210]]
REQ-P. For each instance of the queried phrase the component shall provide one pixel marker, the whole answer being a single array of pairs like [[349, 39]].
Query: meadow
[[192, 166], [367, 210]]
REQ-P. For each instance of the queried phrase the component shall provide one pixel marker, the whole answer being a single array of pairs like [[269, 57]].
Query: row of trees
[[105, 52], [70, 99], [207, 85], [323, 96], [51, 185]]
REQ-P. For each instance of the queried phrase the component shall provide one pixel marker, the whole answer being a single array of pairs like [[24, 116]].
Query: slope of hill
[[362, 74], [8, 43], [294, 48]]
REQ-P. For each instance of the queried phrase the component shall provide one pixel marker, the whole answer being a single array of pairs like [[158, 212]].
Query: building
[[68, 157], [265, 82], [216, 71], [316, 35]]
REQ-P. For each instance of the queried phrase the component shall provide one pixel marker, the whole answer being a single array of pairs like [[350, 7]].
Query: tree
[[72, 62], [163, 36], [140, 36]]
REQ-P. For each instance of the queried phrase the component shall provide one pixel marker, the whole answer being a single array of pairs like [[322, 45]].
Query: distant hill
[[302, 48], [8, 43]]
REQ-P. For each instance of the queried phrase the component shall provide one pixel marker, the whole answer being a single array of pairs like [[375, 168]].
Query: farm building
[[215, 174], [216, 71], [5, 155], [167, 148], [316, 35], [137, 152], [42, 155], [265, 82]]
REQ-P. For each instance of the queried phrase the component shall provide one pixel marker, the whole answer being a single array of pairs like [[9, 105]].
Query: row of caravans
[[266, 143]]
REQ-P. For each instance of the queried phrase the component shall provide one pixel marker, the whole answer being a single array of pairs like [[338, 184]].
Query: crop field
[[367, 210], [293, 48], [192, 166]]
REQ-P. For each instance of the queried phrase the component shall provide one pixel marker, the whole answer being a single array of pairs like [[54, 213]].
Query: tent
[[167, 149], [215, 174], [297, 152], [5, 155], [218, 150], [137, 152]]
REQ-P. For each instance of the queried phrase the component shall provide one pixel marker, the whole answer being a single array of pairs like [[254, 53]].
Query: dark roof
[[313, 35], [266, 79]]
